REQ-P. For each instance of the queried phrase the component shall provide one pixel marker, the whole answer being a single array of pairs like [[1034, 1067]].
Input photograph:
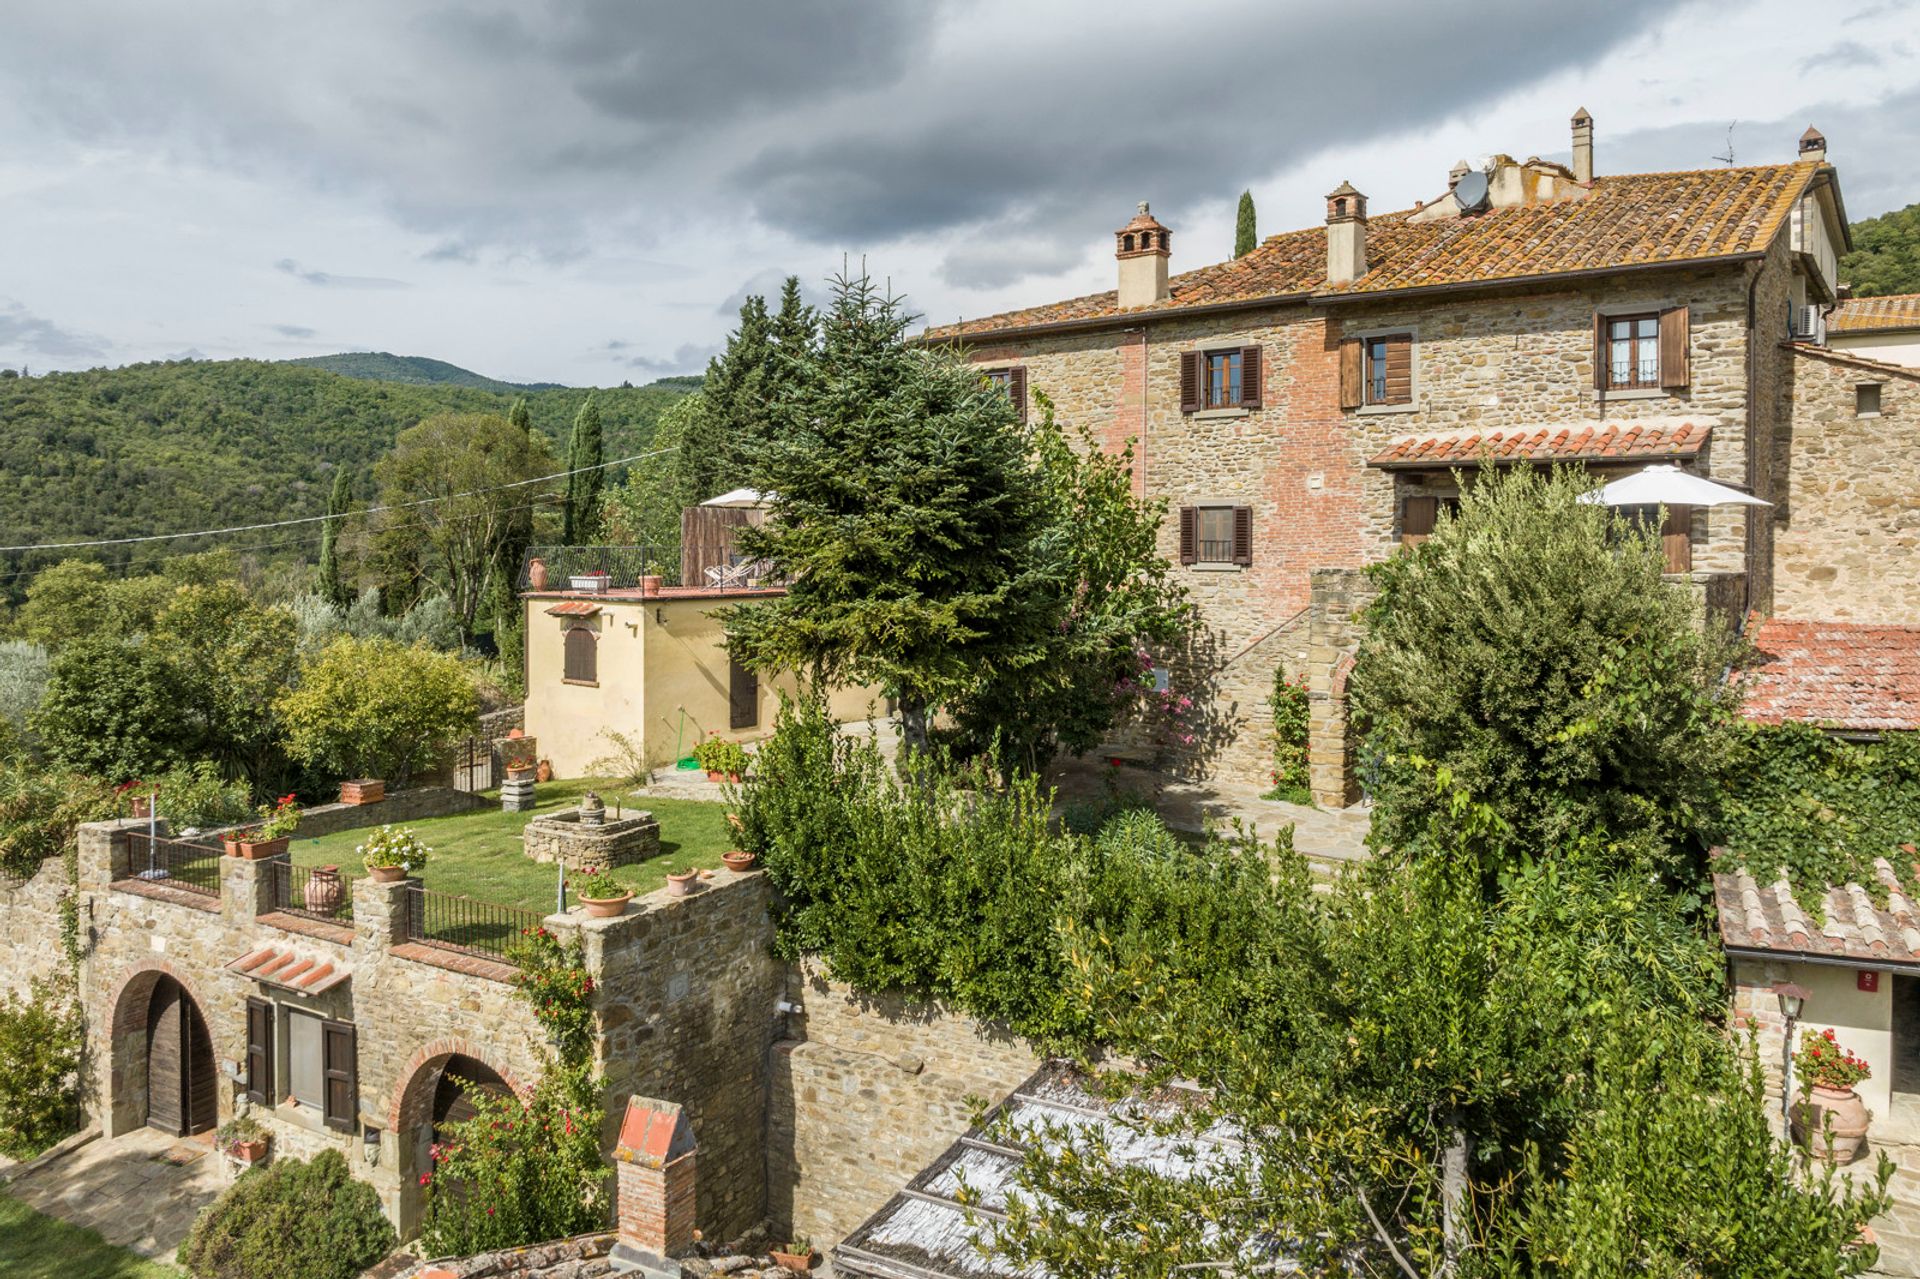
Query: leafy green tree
[[1531, 647], [909, 518], [1886, 254], [462, 463], [1245, 237], [23, 680], [1113, 599], [331, 588], [584, 456], [112, 709], [68, 601], [238, 658], [377, 708]]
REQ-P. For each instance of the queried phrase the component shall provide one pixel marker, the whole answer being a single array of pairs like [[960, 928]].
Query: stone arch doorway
[[164, 1072], [437, 1093]]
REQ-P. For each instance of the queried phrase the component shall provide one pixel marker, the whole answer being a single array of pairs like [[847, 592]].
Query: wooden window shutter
[[1417, 518], [341, 1071], [1190, 381], [743, 696], [1599, 351], [1243, 535], [1189, 534], [1676, 537], [1675, 341], [259, 1051], [582, 655], [1399, 370], [1250, 377], [1352, 373], [1017, 390]]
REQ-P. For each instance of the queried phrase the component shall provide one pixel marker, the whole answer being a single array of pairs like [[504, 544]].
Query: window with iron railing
[[1633, 352]]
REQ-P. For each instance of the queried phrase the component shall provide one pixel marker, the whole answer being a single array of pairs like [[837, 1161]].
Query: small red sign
[[1868, 980]]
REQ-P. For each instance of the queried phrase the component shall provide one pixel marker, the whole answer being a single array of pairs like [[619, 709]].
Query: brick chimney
[[1582, 146], [1142, 246], [654, 1166], [1346, 234], [1813, 145]]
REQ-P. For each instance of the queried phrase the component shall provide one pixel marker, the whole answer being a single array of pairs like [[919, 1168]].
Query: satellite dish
[[1471, 191]]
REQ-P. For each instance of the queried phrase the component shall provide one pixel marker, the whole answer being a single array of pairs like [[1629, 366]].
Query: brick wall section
[[868, 1092], [655, 1205], [1847, 519], [30, 942]]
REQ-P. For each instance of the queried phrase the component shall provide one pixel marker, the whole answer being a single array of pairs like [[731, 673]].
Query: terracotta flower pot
[[739, 860], [543, 771], [251, 1152], [680, 884], [519, 772], [537, 574], [1840, 1142], [387, 874], [140, 806], [801, 1261], [606, 907], [324, 890], [255, 850]]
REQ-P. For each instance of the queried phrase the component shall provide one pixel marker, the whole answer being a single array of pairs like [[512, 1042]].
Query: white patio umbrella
[[1668, 485], [740, 497]]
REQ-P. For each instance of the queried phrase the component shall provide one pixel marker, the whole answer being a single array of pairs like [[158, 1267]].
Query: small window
[[306, 1071], [1216, 535], [1389, 378], [1633, 352], [1228, 379], [1012, 383], [582, 656], [1419, 515], [1866, 400], [1223, 379]]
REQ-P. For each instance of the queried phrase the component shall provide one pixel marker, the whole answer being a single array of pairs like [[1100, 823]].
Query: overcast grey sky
[[582, 191]]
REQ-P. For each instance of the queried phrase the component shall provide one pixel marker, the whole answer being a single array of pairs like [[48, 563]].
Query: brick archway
[[410, 1116], [126, 1102]]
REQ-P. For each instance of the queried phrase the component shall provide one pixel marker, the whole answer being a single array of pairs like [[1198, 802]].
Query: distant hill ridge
[[414, 370]]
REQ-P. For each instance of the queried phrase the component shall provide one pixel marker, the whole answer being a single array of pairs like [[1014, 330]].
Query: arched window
[[582, 656]]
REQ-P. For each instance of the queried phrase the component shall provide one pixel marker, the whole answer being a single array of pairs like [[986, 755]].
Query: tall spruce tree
[[731, 396], [584, 456], [910, 518], [332, 589], [1245, 238]]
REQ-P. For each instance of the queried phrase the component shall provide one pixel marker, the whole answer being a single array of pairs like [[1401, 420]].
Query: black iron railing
[[315, 892], [465, 924], [1212, 552], [176, 863], [619, 567]]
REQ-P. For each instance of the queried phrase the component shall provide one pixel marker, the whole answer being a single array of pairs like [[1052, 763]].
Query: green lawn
[[37, 1247], [479, 854]]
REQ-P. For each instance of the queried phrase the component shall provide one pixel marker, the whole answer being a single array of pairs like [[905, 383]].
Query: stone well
[[564, 838]]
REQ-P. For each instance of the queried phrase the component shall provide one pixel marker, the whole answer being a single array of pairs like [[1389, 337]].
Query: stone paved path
[[129, 1189]]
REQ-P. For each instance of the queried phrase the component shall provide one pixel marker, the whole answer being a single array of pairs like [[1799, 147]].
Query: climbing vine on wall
[[1820, 809], [1289, 703]]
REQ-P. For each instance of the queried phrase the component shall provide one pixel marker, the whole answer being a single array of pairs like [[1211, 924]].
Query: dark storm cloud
[[292, 330], [1848, 53], [690, 357], [22, 330], [451, 251], [328, 280]]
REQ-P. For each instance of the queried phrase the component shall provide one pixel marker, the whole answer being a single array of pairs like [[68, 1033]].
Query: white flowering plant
[[394, 846]]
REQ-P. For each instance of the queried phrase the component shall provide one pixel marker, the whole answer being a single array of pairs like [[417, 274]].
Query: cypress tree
[[583, 484], [1244, 236], [519, 416], [332, 589]]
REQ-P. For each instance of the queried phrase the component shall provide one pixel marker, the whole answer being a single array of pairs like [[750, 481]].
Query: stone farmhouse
[[1307, 408]]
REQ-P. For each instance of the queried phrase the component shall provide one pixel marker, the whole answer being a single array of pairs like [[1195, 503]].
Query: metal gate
[[473, 765]]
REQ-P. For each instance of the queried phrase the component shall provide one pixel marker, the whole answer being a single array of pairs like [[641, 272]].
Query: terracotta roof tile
[[573, 608], [1629, 220], [653, 1133], [1579, 442], [1767, 917], [1842, 674], [279, 966], [1865, 315]]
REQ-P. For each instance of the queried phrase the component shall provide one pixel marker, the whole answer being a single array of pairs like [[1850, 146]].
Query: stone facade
[[867, 1091], [617, 841], [1847, 515], [30, 942]]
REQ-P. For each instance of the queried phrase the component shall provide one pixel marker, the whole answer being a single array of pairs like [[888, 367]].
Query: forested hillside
[[415, 370], [166, 447], [1886, 254]]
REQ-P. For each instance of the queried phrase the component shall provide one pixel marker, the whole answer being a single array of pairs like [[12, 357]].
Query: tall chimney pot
[[1582, 146], [1142, 247], [654, 1186], [1813, 145], [1346, 234]]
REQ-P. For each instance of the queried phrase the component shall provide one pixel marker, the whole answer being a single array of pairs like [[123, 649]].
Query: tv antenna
[[1727, 159]]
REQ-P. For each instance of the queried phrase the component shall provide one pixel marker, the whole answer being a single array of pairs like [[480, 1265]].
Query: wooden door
[[460, 1078], [1906, 1034], [743, 696], [182, 1097]]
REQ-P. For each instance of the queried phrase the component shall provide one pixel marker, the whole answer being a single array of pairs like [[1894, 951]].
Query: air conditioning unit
[[1809, 323]]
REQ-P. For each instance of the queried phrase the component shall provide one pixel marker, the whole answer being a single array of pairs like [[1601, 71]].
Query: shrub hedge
[[290, 1220]]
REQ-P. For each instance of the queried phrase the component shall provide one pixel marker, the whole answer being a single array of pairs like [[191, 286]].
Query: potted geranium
[[1831, 1120], [602, 894], [723, 760], [796, 1254], [392, 853], [269, 838], [245, 1138]]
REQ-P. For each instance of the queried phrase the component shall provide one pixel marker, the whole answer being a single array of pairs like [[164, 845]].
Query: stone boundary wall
[[410, 805], [561, 1259], [30, 926], [867, 1091]]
